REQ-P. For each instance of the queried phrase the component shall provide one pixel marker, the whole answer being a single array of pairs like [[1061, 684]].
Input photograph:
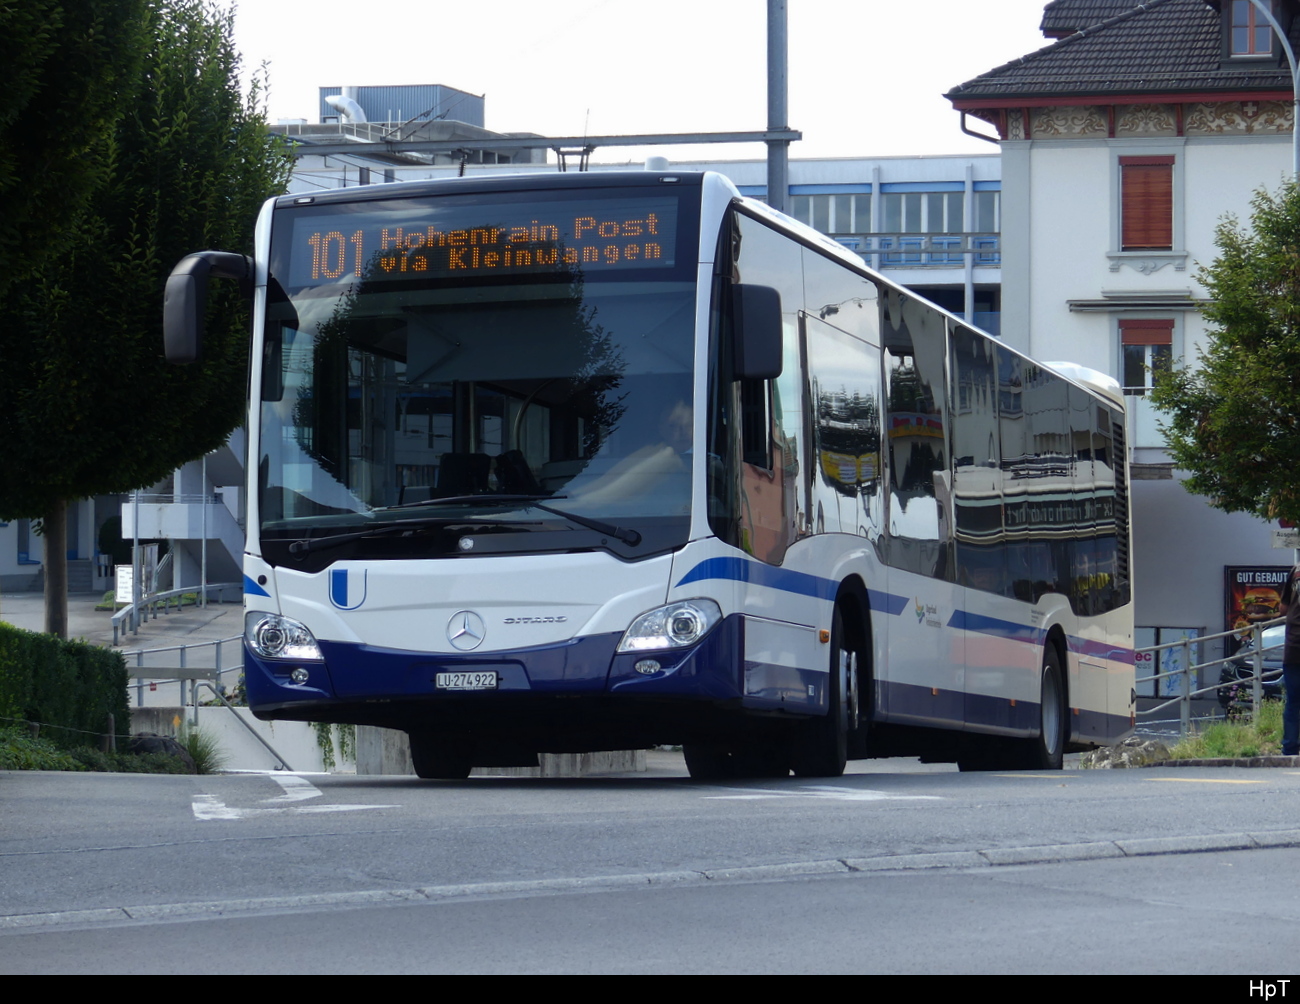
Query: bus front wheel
[[756, 758], [821, 745], [436, 759]]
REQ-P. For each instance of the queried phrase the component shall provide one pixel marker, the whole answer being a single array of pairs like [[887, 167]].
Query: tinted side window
[[914, 342], [976, 463]]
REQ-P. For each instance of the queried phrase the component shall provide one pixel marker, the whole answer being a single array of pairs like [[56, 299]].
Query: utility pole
[[778, 150]]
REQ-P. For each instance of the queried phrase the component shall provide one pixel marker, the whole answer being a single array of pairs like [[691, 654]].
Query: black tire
[[436, 759], [821, 745], [754, 759], [1047, 750], [763, 759], [985, 753], [708, 762]]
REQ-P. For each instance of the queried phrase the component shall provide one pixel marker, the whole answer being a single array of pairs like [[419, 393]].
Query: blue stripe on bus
[[1101, 650], [979, 624], [251, 588], [910, 704], [887, 603], [740, 570], [758, 574], [755, 573], [964, 620]]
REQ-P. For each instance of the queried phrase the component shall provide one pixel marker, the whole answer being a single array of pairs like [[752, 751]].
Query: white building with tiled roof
[[1124, 144]]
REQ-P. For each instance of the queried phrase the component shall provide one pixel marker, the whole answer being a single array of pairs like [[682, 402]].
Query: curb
[[1240, 761], [993, 857]]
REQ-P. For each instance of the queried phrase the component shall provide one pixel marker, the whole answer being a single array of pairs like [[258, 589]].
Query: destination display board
[[414, 239]]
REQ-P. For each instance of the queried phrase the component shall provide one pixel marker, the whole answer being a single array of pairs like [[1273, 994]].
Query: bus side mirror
[[756, 317], [186, 294]]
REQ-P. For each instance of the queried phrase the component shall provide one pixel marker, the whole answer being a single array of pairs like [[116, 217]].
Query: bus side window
[[844, 384], [914, 339], [976, 465]]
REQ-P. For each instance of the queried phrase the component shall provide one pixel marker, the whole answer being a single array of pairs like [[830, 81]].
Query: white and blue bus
[[608, 460]]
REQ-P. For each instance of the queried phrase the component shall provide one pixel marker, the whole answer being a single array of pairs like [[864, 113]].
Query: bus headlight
[[676, 625], [274, 637]]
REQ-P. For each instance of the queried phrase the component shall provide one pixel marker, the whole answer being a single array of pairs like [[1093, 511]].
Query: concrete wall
[[1180, 548], [385, 751], [295, 741]]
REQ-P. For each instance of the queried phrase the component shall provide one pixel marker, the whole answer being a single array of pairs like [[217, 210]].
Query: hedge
[[68, 687]]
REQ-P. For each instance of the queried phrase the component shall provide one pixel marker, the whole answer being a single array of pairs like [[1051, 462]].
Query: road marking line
[[831, 791], [1205, 780], [1058, 776], [296, 789]]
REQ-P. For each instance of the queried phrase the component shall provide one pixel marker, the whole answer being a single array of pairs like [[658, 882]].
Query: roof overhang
[[1126, 98]]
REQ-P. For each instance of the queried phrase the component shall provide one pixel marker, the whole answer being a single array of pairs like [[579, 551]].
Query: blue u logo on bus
[[347, 588]]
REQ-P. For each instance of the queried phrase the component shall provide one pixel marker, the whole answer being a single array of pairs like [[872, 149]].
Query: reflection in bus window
[[914, 339], [844, 378]]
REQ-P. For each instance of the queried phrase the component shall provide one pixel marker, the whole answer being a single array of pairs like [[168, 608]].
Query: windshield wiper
[[627, 535], [320, 543], [466, 500]]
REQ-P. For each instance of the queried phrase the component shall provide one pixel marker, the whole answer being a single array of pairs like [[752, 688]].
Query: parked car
[[1235, 677]]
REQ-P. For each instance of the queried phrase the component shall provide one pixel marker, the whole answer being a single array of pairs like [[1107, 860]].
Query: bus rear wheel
[[436, 759], [1046, 752]]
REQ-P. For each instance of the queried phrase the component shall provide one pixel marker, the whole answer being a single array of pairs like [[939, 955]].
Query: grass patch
[[109, 602], [19, 751], [1242, 737], [206, 751]]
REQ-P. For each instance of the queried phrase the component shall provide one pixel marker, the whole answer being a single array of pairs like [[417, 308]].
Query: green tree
[[1234, 423], [91, 406], [69, 65]]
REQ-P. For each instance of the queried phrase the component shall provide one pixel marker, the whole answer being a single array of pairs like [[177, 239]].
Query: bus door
[[926, 672], [992, 637]]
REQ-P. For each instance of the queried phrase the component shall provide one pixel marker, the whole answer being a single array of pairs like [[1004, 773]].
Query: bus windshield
[[439, 362]]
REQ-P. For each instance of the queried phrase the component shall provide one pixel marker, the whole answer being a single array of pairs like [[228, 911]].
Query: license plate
[[479, 680]]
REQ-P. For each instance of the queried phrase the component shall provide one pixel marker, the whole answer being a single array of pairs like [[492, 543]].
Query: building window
[[833, 214], [986, 212], [1249, 33], [1146, 348], [1146, 203], [922, 212]]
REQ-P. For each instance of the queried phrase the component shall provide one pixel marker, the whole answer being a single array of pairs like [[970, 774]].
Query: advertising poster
[[1252, 593]]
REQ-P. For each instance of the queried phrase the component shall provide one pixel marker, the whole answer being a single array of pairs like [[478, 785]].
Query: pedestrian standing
[[1291, 665]]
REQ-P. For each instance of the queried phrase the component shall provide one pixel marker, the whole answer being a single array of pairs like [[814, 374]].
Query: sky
[[866, 77]]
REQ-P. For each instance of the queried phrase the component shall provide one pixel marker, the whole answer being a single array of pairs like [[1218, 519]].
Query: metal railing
[[174, 498], [1184, 699], [926, 250], [192, 669], [131, 616], [183, 664]]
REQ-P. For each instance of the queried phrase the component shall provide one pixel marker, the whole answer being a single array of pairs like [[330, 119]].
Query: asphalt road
[[898, 869]]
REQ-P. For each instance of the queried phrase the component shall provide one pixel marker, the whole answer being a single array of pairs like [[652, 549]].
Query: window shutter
[[1147, 210], [1145, 332]]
